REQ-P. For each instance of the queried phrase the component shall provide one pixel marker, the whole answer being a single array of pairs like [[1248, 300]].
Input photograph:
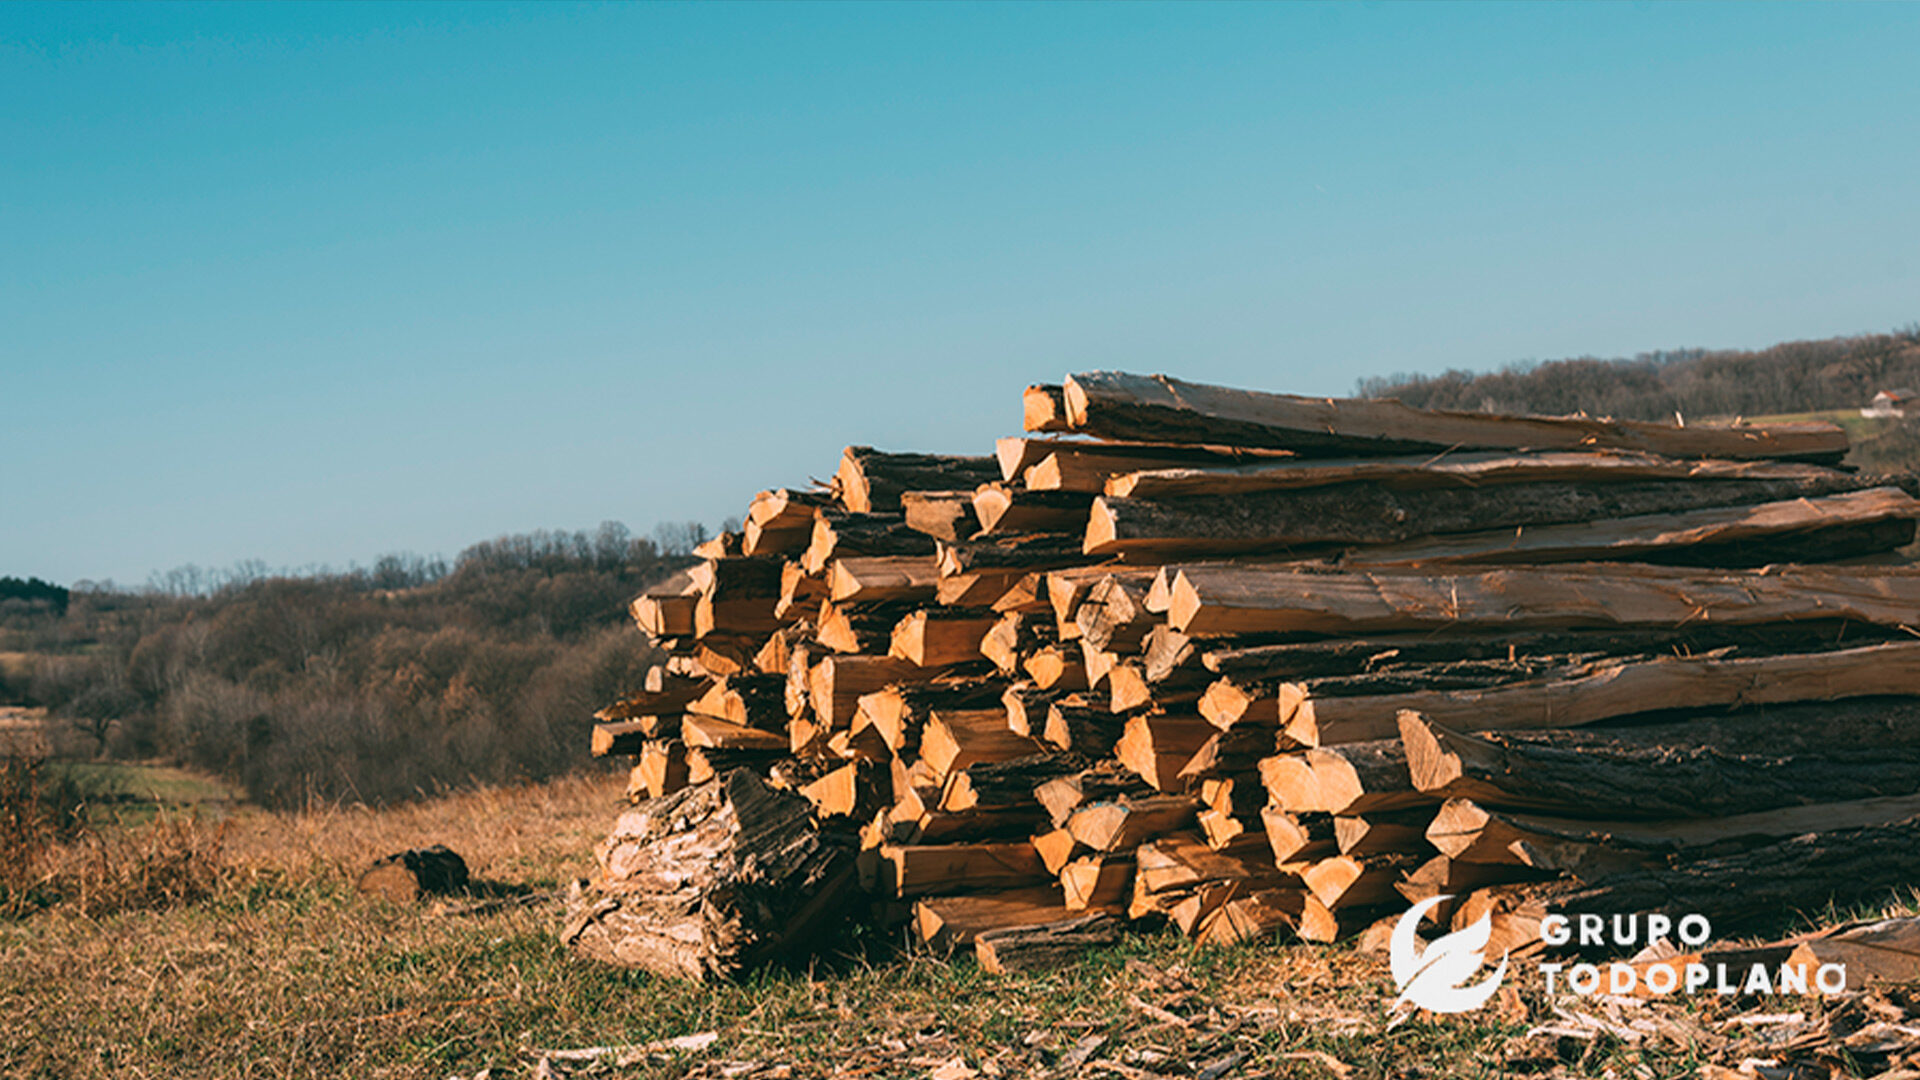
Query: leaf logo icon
[[1435, 978]]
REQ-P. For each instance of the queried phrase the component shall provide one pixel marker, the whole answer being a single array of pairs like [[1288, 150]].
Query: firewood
[[1252, 599], [1381, 831], [711, 881], [857, 628], [1669, 513], [776, 656], [1001, 644], [1116, 405], [664, 616], [1803, 530], [1044, 946], [1099, 663], [1157, 747], [1082, 728], [1235, 751], [1070, 587], [943, 515], [1043, 407], [1027, 709], [1237, 793], [870, 480], [1127, 823], [1473, 468], [1344, 881], [728, 545], [1010, 782], [1105, 782], [977, 588], [1623, 688], [1320, 923], [900, 711], [1182, 861], [1056, 848], [1167, 651], [1744, 762], [858, 746], [1114, 616], [939, 637], [716, 734], [1252, 917], [1072, 465], [882, 579], [852, 790], [1027, 594], [781, 520], [1363, 778], [665, 694], [836, 684], [1005, 509], [661, 768], [1221, 828], [707, 762], [979, 824], [957, 739], [1469, 832], [1056, 667], [409, 875], [1102, 881], [1013, 551], [924, 869], [1299, 837], [622, 737], [749, 699], [947, 921], [840, 535], [1441, 874]]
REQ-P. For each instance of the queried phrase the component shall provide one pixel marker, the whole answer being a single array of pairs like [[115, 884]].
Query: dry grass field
[[263, 962]]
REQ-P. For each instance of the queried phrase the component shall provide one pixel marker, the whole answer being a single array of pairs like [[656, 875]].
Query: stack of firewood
[[1250, 662]]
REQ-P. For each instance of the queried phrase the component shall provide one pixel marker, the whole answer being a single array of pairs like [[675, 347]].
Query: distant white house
[[1891, 403]]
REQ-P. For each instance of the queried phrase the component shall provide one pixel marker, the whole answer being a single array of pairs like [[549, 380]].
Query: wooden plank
[[1621, 689], [1214, 600], [1117, 405]]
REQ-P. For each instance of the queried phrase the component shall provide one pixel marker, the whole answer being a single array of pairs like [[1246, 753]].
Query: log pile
[[1247, 663]]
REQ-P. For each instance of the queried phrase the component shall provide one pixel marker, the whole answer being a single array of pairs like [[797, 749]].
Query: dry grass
[[283, 971]]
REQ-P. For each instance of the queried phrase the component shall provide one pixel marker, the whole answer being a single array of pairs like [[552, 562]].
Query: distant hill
[[1795, 377]]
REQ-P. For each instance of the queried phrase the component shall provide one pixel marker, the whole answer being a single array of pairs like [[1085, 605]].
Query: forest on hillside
[[368, 685], [1798, 376]]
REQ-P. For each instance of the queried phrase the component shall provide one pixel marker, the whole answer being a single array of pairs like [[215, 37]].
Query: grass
[[283, 971]]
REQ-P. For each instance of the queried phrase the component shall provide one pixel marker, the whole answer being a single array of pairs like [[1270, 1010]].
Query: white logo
[[1435, 978]]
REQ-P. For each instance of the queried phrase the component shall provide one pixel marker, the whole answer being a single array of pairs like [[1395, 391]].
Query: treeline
[[28, 596], [1800, 376], [372, 684]]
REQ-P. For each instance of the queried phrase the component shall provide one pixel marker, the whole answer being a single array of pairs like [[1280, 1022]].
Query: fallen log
[[1116, 405], [1046, 946]]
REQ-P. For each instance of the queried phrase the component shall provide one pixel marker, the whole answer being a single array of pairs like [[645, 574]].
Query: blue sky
[[309, 284]]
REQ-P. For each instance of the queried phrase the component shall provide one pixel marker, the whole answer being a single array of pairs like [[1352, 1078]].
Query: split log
[[1086, 729], [1057, 848], [1441, 875], [1114, 615], [1319, 923], [948, 921], [1027, 709], [1710, 767], [1043, 407], [1013, 551], [1012, 636], [1380, 832], [1005, 509], [1612, 689], [1167, 651], [853, 790], [1253, 917], [923, 869], [1127, 823], [1227, 753], [711, 732], [1345, 881], [1157, 747], [1183, 861], [940, 637], [624, 736], [1210, 600], [664, 694], [840, 535], [712, 881], [1056, 667], [957, 739], [871, 480], [882, 579], [943, 515], [728, 545], [977, 588], [900, 711], [836, 684], [1299, 837], [1083, 466], [1352, 778], [749, 699], [704, 763], [857, 628], [1046, 946], [1809, 530], [1129, 691], [1007, 783], [661, 769], [1097, 881], [1116, 405], [1107, 781], [1476, 468]]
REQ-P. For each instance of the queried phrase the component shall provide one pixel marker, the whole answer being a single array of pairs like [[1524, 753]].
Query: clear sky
[[309, 284]]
